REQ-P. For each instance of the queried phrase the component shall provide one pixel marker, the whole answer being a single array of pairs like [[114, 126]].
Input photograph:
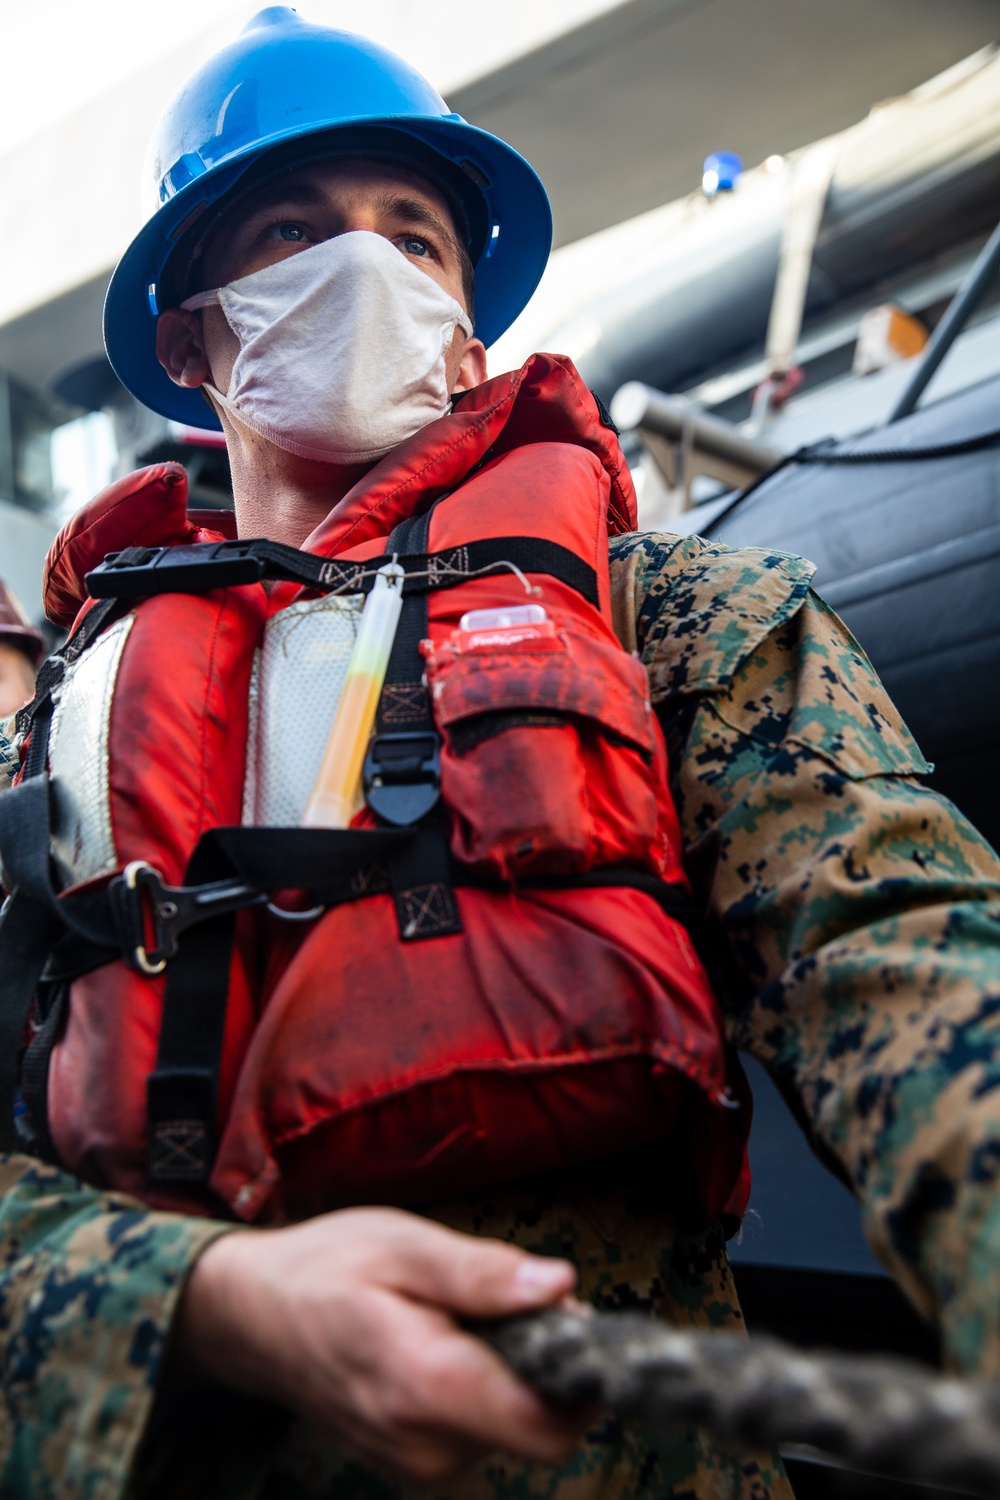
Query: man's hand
[[349, 1320]]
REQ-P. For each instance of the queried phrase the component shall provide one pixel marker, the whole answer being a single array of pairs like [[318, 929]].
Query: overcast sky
[[57, 54]]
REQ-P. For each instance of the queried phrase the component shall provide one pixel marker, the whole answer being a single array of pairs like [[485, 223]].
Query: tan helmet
[[16, 629]]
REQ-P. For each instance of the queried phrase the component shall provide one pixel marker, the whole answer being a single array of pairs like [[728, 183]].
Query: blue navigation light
[[721, 172]]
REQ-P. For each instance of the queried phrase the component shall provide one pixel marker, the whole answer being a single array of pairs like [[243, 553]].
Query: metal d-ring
[[134, 876], [284, 915]]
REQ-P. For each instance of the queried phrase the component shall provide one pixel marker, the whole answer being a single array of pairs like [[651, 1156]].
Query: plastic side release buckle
[[402, 776], [140, 571]]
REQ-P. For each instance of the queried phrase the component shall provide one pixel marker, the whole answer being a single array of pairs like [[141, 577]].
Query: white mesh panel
[[302, 668]]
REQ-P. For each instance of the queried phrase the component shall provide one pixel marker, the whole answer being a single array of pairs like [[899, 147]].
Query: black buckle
[[202, 566], [196, 568], [141, 903], [402, 776]]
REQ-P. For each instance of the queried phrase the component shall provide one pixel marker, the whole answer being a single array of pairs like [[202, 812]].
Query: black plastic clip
[[197, 568], [151, 916], [402, 776]]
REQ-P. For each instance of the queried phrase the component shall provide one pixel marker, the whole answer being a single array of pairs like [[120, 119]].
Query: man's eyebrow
[[419, 212], [306, 194]]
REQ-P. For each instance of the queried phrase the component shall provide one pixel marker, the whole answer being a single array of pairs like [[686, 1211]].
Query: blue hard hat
[[285, 86]]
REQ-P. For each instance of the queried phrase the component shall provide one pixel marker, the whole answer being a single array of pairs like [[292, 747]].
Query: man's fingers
[[355, 1330], [436, 1398], [451, 1383], [475, 1278], [486, 1404]]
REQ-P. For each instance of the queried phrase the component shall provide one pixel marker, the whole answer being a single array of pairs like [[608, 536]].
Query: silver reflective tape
[[83, 844], [303, 664], [253, 731]]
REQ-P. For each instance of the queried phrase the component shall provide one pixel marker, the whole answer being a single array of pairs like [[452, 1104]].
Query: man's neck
[[280, 496]]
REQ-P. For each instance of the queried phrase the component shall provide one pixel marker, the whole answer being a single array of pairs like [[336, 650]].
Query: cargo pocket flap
[[587, 678]]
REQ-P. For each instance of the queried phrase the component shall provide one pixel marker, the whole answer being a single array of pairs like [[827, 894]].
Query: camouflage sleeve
[[9, 759], [88, 1285], [855, 914]]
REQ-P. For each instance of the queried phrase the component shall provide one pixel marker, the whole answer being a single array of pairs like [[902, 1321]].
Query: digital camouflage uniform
[[857, 954]]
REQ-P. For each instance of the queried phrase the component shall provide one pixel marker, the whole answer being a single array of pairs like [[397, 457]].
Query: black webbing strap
[[141, 571], [402, 771], [422, 886], [28, 928], [31, 924], [182, 1092], [27, 932], [41, 724], [332, 864], [37, 715], [32, 1123], [673, 899]]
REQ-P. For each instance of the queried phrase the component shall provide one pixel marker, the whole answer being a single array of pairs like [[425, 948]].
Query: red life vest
[[508, 989]]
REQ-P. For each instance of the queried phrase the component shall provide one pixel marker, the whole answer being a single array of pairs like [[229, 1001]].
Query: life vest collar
[[545, 401]]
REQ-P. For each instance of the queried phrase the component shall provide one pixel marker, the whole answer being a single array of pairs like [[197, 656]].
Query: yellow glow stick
[[335, 797]]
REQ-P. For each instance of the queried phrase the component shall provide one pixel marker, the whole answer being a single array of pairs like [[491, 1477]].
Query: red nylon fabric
[[560, 1025], [178, 737], [145, 509]]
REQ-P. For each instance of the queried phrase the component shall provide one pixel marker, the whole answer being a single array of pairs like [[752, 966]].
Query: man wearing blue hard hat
[[150, 1351], [425, 239]]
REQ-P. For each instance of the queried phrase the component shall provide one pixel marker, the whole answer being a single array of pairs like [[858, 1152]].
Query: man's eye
[[290, 231], [414, 245]]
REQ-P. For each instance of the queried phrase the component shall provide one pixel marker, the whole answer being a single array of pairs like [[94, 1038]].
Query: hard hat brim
[[507, 272], [26, 639]]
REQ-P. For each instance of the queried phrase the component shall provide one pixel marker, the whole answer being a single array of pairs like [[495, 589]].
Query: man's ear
[[472, 369], [180, 347]]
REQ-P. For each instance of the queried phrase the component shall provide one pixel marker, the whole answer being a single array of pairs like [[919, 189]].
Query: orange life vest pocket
[[551, 759]]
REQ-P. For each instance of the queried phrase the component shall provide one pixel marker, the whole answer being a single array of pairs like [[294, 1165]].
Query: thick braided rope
[[881, 1416]]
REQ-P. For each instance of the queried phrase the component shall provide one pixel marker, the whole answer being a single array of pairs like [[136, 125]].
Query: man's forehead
[[317, 182], [329, 185]]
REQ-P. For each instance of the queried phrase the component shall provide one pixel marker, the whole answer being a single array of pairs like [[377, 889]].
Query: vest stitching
[[209, 685], [170, 479]]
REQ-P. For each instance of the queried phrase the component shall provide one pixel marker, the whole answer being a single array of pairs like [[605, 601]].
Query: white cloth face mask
[[342, 348]]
